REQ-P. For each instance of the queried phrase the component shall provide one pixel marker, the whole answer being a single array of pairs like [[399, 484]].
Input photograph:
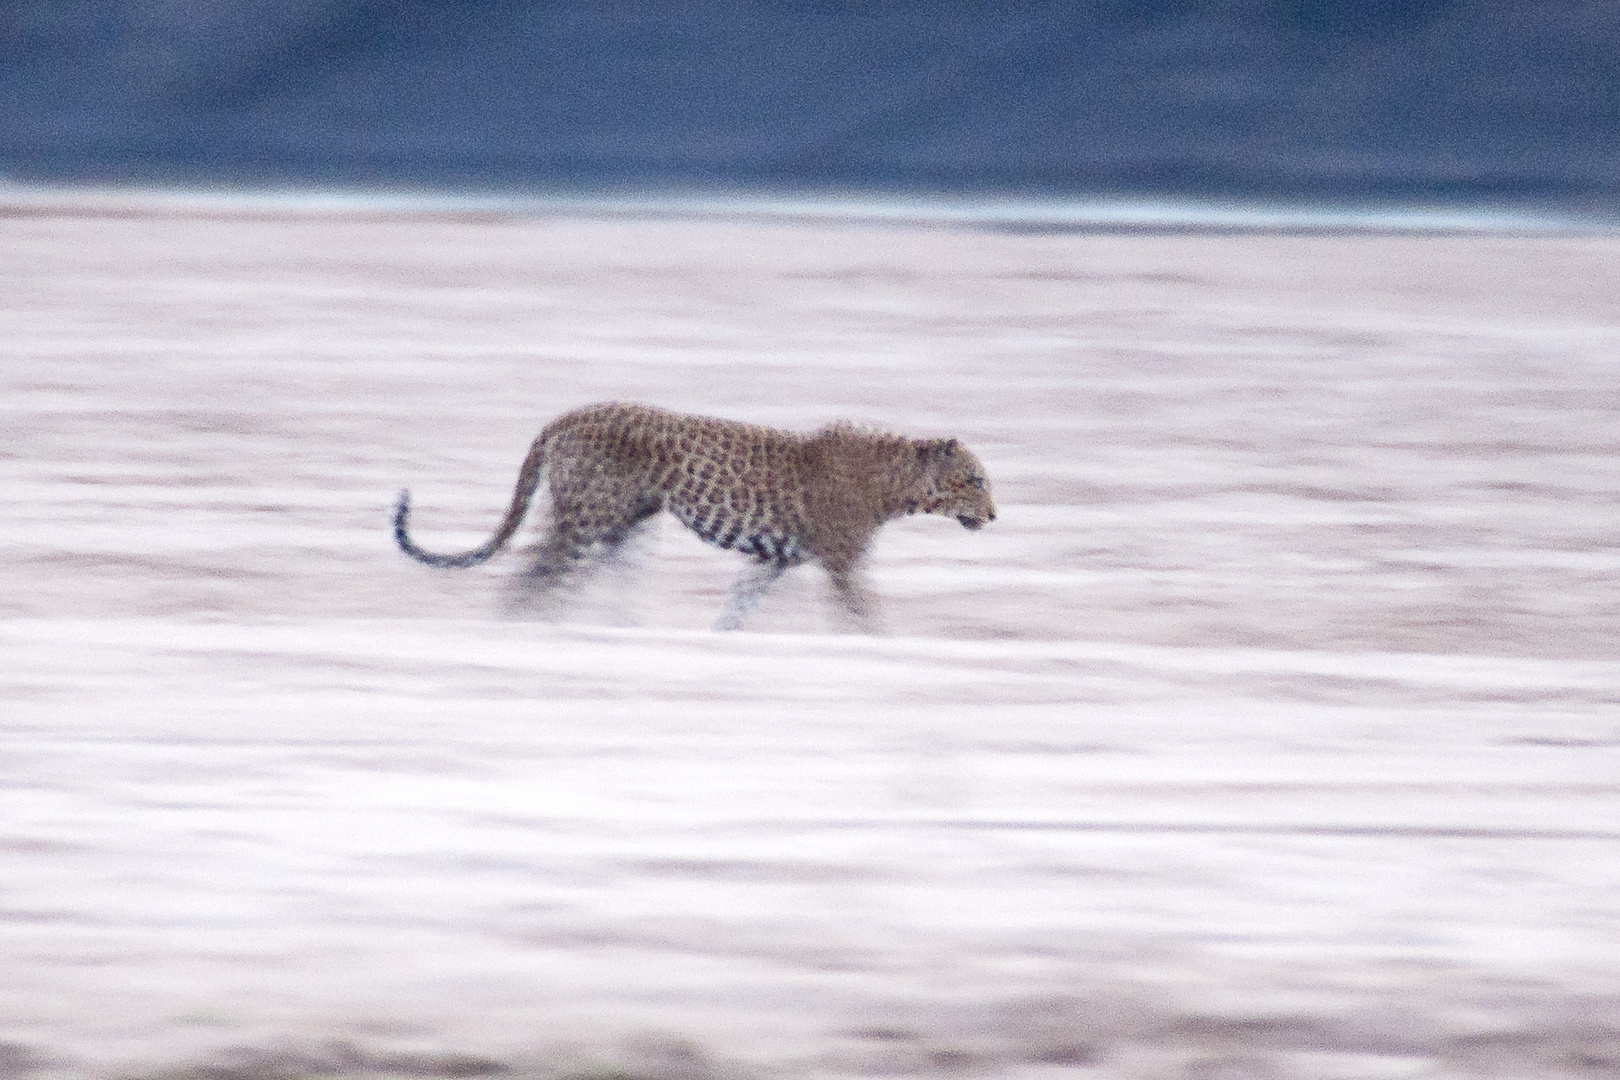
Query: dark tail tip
[[402, 518], [402, 514]]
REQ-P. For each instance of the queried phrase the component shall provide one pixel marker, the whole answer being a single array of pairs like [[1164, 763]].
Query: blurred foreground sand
[[1273, 728]]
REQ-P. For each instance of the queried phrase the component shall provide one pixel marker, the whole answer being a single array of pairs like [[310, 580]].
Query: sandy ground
[[1273, 730]]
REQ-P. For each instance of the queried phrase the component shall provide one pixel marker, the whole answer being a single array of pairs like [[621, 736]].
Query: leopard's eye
[[977, 482]]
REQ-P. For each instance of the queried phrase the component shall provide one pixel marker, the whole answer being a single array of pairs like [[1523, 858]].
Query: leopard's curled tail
[[528, 481]]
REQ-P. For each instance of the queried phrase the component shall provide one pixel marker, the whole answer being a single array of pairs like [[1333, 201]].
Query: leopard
[[780, 498]]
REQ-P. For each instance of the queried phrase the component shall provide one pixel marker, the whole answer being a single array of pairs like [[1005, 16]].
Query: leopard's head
[[953, 484]]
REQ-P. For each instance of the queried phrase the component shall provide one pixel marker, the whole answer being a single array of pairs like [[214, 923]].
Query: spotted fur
[[779, 497]]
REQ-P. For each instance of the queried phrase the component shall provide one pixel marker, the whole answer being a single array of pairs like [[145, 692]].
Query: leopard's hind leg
[[582, 530]]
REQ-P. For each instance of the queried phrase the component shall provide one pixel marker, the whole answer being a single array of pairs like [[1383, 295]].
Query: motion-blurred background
[[1319, 100]]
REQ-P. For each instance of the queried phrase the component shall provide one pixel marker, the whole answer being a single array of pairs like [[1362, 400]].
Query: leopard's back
[[738, 486]]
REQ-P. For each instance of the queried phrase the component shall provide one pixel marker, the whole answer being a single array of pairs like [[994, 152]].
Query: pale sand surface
[[1273, 730]]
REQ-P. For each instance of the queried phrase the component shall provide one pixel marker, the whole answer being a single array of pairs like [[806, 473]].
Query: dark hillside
[[1424, 99]]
